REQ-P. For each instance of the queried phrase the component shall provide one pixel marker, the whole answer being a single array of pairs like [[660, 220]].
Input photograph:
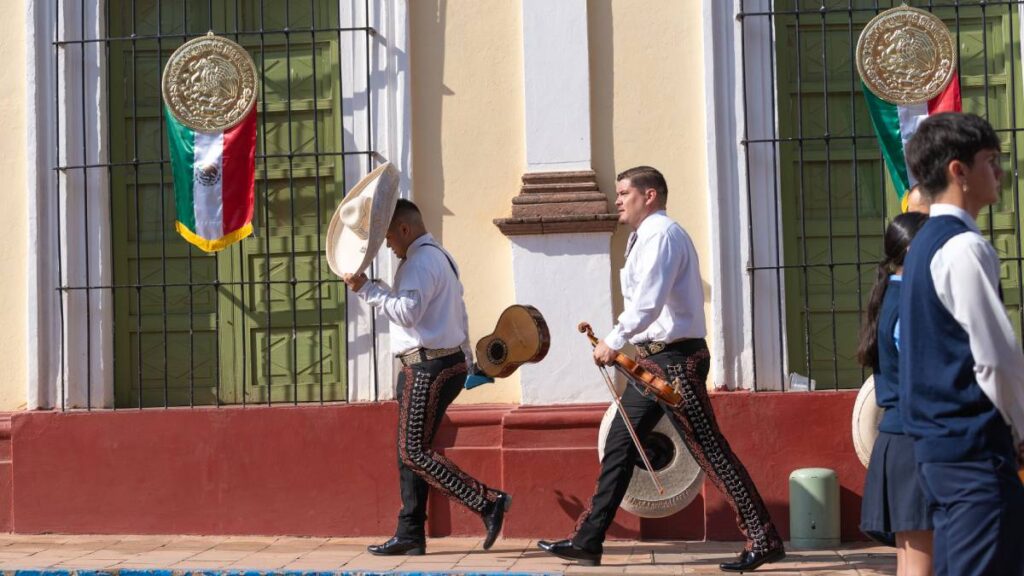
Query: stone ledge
[[558, 203], [564, 224]]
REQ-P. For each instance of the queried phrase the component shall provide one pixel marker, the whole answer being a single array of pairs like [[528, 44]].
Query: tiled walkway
[[140, 555]]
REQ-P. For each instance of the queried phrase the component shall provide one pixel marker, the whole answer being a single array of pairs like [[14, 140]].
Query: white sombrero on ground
[[361, 221]]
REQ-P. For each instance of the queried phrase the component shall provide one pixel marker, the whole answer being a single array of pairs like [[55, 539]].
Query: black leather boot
[[749, 561], [495, 518]]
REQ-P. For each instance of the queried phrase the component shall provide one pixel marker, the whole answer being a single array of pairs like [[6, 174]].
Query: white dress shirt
[[966, 276], [425, 308], [661, 287]]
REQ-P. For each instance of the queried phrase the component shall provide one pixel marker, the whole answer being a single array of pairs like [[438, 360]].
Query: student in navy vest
[[961, 368], [894, 510]]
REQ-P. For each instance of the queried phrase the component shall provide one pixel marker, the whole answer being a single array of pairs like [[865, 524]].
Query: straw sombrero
[[360, 222], [866, 417]]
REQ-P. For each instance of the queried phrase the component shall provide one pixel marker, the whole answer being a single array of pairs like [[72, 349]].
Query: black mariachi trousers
[[686, 366], [425, 391]]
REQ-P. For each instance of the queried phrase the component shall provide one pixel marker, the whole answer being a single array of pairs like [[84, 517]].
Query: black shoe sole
[[410, 552], [580, 561]]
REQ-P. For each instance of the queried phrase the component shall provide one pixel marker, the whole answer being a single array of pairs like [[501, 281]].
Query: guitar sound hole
[[497, 352]]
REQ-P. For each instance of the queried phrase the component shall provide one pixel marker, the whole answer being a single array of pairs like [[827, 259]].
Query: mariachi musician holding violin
[[663, 317]]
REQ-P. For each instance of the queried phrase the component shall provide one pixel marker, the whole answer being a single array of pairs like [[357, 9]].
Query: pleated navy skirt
[[893, 498]]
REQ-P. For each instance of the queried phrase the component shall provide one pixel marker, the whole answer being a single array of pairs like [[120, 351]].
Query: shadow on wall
[[429, 23], [602, 122]]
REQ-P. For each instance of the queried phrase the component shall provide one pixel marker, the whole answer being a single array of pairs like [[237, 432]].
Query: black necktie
[[630, 242]]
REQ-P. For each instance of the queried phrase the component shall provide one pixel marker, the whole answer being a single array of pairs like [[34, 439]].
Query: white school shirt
[[965, 271], [425, 308], [661, 286]]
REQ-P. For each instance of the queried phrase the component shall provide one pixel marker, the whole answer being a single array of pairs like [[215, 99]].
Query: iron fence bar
[[168, 161], [1015, 183], [163, 205], [292, 264], [243, 391], [266, 208], [851, 138], [85, 220], [138, 210], [316, 187], [802, 197], [59, 229], [856, 173], [191, 292], [853, 10], [188, 36], [777, 192], [216, 286], [984, 59], [828, 197], [750, 209], [369, 166]]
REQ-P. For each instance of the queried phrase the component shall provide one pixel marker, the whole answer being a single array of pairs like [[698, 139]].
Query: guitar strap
[[446, 257]]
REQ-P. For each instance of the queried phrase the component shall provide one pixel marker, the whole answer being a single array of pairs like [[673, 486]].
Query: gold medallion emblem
[[209, 83], [906, 55]]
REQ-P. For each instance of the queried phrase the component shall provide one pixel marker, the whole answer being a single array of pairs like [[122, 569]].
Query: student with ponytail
[[894, 510]]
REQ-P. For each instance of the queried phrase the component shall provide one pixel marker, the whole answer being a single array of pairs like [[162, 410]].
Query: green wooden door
[[835, 193], [253, 323]]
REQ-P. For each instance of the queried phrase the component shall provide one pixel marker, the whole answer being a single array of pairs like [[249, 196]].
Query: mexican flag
[[895, 123], [214, 182]]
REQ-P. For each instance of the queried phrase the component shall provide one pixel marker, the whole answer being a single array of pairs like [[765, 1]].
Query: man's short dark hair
[[644, 177], [942, 138], [406, 211]]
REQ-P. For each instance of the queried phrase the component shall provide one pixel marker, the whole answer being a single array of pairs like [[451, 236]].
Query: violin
[[638, 374]]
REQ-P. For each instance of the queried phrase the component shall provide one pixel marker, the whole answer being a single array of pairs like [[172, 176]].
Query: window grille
[[817, 191], [264, 320]]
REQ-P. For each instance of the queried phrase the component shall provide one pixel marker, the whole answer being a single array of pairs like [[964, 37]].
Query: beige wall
[[14, 216], [647, 107], [468, 147]]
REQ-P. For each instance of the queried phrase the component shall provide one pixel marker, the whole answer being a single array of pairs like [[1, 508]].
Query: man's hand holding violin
[[603, 355]]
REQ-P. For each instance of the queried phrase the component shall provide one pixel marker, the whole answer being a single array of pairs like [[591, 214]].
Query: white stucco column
[[560, 227]]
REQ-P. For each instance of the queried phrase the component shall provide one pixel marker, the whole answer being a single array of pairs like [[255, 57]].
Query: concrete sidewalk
[[154, 555]]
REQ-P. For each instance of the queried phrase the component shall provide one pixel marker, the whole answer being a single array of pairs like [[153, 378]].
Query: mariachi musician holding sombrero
[[663, 317], [429, 335]]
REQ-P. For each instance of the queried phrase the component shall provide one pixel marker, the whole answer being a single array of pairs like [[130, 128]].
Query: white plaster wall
[[556, 59], [565, 276]]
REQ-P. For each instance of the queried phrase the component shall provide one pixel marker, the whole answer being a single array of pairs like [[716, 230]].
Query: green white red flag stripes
[[895, 124], [214, 182]]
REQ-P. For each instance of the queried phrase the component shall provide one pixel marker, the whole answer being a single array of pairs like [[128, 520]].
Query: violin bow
[[584, 327]]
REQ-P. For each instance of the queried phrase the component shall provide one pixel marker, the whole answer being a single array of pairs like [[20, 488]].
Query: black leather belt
[[683, 346]]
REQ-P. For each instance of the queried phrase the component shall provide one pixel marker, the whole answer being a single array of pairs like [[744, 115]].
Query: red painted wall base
[[330, 470]]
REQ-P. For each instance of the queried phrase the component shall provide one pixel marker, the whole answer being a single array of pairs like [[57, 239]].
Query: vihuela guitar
[[520, 336]]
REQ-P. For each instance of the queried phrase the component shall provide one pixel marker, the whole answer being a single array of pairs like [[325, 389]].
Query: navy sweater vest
[[943, 407], [887, 373]]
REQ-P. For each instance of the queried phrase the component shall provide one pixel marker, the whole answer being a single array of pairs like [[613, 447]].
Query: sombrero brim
[[347, 253]]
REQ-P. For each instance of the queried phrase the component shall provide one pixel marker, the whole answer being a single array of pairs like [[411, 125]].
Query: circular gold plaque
[[906, 55], [209, 83]]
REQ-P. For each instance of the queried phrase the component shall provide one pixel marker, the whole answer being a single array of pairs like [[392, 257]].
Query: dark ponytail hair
[[897, 240]]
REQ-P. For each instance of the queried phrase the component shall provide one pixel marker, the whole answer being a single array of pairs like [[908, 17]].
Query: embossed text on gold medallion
[[209, 83], [906, 55]]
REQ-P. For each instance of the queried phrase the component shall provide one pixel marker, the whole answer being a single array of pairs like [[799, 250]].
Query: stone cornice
[[558, 203]]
